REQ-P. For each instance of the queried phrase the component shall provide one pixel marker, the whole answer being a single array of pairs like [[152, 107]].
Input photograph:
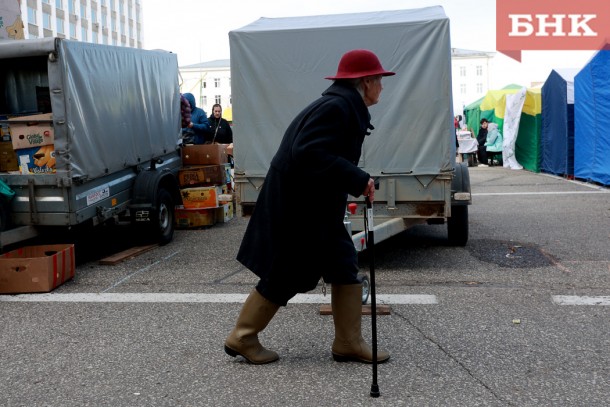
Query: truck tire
[[162, 227], [4, 211], [457, 225]]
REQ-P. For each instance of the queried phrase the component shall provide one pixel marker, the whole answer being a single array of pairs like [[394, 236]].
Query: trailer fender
[[460, 186]]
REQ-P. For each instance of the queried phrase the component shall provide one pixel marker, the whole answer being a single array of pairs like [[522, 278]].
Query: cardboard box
[[202, 175], [8, 157], [205, 154], [225, 212], [201, 197], [36, 160], [32, 131], [194, 217], [36, 269]]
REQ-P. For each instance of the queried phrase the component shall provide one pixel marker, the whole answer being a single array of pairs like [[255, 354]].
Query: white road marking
[[541, 193], [580, 300], [201, 298]]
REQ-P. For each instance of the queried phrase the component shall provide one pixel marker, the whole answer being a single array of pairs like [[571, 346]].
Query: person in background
[[493, 143], [199, 128], [318, 155], [221, 129], [482, 139]]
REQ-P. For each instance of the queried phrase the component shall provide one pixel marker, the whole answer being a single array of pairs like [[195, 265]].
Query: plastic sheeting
[[592, 120], [557, 134], [278, 67]]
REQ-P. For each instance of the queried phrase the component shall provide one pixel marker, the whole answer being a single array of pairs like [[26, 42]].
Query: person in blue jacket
[[319, 155], [493, 144], [199, 128]]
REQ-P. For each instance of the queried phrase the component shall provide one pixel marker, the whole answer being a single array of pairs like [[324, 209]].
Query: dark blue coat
[[296, 232]]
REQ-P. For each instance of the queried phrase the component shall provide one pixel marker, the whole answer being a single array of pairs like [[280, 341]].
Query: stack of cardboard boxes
[[27, 144], [205, 185]]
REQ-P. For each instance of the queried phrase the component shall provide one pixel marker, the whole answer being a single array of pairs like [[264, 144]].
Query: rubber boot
[[349, 345], [253, 318]]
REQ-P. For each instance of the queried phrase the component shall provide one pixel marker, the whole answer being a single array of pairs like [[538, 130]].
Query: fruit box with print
[[36, 269], [31, 131]]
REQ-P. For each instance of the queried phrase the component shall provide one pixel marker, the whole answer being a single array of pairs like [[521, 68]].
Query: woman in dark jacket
[[318, 156], [221, 129]]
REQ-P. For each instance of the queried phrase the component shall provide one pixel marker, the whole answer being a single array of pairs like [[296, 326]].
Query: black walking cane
[[370, 246]]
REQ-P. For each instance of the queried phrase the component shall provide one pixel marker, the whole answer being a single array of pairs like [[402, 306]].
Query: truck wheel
[[457, 225], [4, 210], [162, 227]]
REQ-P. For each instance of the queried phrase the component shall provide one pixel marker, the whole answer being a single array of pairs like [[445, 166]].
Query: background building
[[470, 71], [111, 22]]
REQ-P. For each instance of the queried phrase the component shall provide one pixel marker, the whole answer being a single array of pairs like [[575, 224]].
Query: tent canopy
[[592, 120], [493, 108], [557, 133]]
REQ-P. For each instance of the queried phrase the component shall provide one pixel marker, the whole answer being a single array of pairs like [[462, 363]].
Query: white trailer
[[277, 68]]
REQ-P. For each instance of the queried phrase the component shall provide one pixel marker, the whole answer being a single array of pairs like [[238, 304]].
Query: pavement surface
[[520, 316]]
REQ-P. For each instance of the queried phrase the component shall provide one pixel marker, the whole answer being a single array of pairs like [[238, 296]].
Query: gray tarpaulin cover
[[278, 67], [122, 109], [113, 107]]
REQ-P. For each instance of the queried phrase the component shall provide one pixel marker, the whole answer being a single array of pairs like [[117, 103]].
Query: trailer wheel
[[366, 287], [162, 227], [457, 225]]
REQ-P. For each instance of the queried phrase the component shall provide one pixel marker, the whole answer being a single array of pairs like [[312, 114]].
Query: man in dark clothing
[[482, 139], [318, 154]]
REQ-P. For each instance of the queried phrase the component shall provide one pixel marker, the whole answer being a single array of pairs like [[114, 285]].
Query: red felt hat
[[359, 63]]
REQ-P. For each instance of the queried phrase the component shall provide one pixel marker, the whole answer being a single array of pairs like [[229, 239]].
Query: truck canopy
[[278, 67], [112, 106]]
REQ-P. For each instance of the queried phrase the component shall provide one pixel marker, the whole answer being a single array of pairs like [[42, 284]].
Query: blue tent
[[592, 120], [557, 135]]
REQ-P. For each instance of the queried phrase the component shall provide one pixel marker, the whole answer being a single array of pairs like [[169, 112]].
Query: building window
[[217, 99], [104, 20], [113, 23], [46, 21], [112, 5], [204, 100], [462, 71], [217, 82], [83, 34], [59, 4], [46, 1], [93, 15], [204, 84], [72, 6], [60, 26], [83, 10], [479, 70], [94, 37], [72, 30], [463, 88], [32, 15], [479, 88]]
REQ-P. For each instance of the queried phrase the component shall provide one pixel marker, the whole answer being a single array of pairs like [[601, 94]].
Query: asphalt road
[[520, 316]]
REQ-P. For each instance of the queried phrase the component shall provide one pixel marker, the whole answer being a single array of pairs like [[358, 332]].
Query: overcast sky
[[198, 30]]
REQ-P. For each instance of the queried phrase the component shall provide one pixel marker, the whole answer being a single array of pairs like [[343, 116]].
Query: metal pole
[[370, 246]]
